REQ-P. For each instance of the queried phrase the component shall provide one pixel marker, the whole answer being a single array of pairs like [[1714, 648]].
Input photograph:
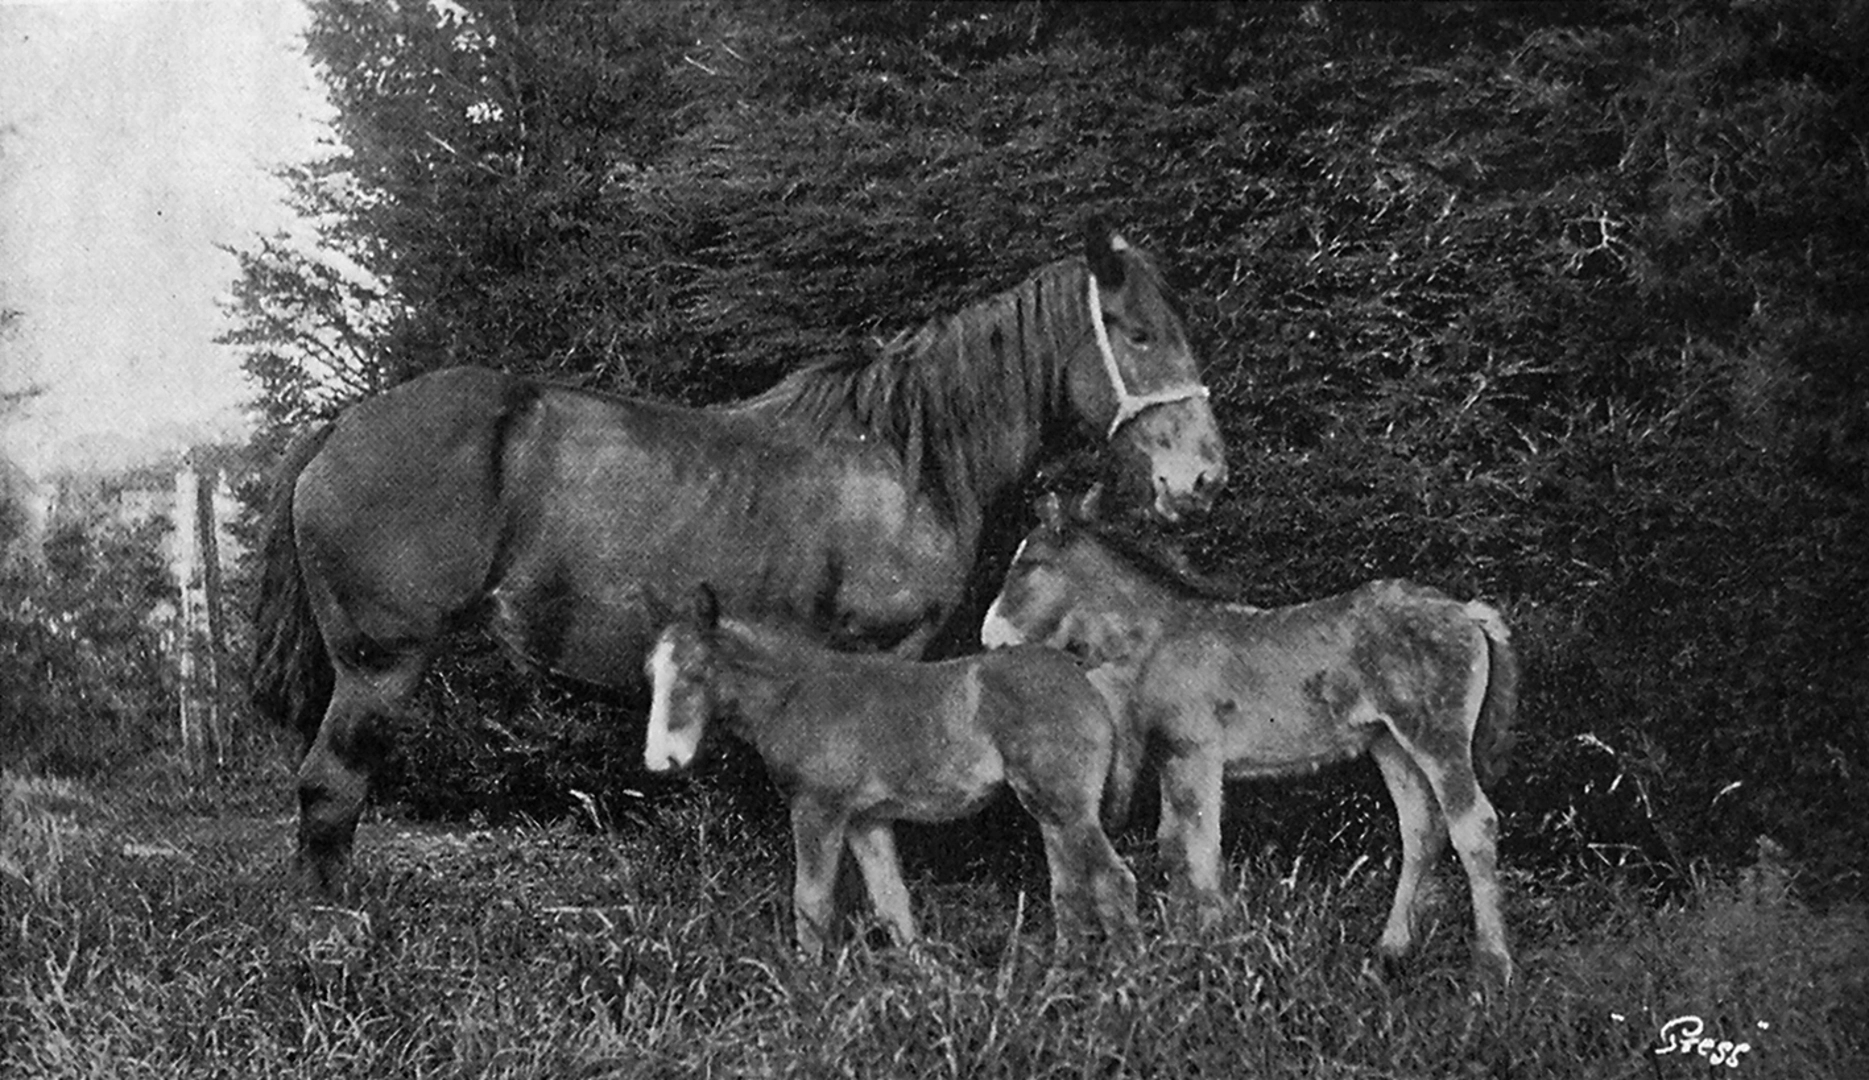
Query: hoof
[[1387, 968], [1492, 974]]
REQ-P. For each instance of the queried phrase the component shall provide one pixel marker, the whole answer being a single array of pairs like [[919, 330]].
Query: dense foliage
[[1559, 304], [84, 683]]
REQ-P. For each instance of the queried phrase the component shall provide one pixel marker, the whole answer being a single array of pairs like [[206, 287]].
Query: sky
[[135, 135]]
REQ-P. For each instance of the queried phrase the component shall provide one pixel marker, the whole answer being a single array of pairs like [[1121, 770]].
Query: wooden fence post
[[186, 568], [202, 634], [208, 547]]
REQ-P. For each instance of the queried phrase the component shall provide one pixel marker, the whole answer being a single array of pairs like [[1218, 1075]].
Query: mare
[[1215, 689], [849, 500], [858, 741]]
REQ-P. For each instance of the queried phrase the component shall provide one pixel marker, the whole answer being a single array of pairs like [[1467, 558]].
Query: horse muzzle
[[1179, 495]]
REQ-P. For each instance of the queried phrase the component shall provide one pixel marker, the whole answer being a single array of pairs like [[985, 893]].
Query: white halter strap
[[1128, 405]]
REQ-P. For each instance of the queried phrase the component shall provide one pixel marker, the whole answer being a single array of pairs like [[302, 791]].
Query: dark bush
[[84, 686], [1556, 304]]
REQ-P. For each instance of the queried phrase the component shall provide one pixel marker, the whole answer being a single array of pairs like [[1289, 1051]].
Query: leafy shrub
[[84, 685], [1556, 304]]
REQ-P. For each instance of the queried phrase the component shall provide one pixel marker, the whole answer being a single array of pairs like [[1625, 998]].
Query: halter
[[1128, 405]]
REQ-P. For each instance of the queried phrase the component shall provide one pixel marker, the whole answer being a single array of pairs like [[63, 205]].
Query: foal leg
[[817, 841], [334, 775], [1189, 833], [1424, 837], [1473, 825], [1113, 886], [1090, 884], [874, 845]]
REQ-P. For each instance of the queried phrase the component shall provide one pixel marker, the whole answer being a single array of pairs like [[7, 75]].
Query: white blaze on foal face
[[998, 631], [673, 735]]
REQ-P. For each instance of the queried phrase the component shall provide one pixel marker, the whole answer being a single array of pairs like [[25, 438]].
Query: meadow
[[147, 928]]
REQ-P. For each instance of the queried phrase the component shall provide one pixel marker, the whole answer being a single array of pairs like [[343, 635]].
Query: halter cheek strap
[[1129, 405]]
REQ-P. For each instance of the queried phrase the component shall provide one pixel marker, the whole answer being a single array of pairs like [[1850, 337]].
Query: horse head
[[1140, 382]]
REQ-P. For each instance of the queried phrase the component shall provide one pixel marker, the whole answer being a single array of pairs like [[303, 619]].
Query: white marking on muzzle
[[662, 750], [998, 632]]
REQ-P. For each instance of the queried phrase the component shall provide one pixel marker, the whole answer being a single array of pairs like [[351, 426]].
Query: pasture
[[149, 930]]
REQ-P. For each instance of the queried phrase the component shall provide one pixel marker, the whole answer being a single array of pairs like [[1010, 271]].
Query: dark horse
[[849, 500]]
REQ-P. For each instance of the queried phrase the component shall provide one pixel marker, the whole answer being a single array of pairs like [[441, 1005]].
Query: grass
[[143, 936]]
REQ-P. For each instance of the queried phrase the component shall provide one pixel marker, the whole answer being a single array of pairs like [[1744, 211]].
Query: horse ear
[[706, 607], [1102, 248], [1089, 508]]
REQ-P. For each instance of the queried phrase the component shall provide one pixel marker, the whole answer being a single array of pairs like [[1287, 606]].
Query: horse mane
[[955, 399]]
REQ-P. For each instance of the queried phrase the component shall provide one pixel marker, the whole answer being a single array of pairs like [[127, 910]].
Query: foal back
[[934, 741], [1292, 689]]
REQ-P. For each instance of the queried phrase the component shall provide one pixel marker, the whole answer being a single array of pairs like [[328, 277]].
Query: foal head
[[1144, 386], [1066, 589], [680, 672]]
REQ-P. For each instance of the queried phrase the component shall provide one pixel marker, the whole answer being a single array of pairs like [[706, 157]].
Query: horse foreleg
[[817, 841], [874, 845], [1189, 833], [1424, 836], [334, 775]]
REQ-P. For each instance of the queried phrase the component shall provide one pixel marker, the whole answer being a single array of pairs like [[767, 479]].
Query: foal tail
[[1493, 737], [292, 675]]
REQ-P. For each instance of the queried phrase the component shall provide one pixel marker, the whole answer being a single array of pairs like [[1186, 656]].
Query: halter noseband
[[1128, 405]]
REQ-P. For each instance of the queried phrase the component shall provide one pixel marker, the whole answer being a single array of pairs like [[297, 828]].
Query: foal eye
[[1135, 333]]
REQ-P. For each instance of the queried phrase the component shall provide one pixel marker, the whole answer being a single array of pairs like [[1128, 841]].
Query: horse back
[[617, 507]]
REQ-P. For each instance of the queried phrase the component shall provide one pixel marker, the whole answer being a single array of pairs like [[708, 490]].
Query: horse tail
[[292, 675], [1493, 737], [1119, 785]]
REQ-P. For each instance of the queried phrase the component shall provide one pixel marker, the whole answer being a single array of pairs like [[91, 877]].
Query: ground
[[661, 948]]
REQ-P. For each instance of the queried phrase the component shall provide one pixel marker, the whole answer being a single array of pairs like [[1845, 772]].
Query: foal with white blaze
[[1425, 684], [857, 741]]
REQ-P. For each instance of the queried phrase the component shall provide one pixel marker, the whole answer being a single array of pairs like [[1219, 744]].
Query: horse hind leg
[[1424, 837], [1090, 884], [1473, 826], [334, 775], [1113, 890]]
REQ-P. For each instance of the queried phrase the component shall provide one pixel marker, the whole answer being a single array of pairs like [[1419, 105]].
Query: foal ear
[[706, 607], [1103, 250], [1050, 511]]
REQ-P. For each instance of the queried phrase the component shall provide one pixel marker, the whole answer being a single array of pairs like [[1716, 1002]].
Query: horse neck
[[1002, 364], [970, 402]]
